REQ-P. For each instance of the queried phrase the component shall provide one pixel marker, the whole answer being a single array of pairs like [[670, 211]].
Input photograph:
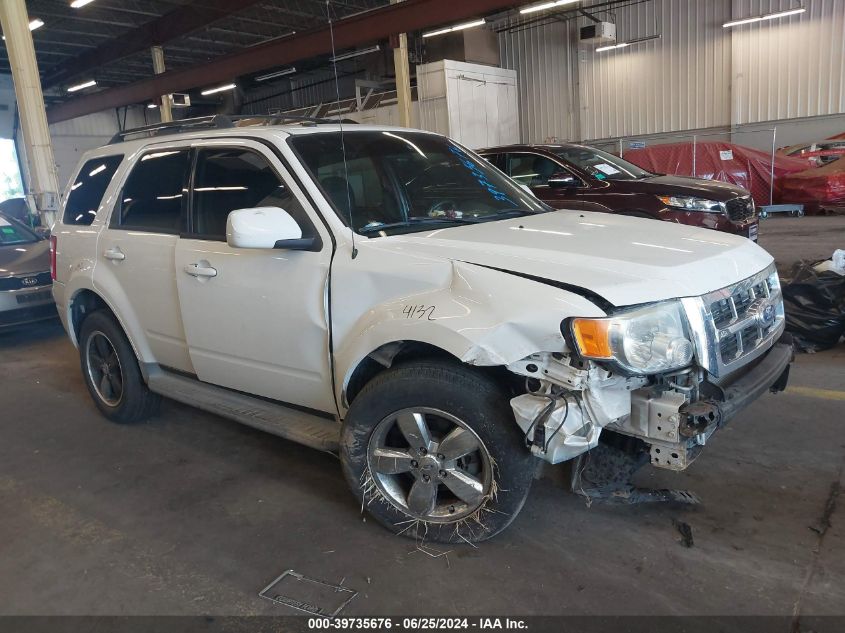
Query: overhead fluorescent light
[[760, 18], [459, 27], [278, 73], [546, 5], [638, 40], [87, 84], [610, 48], [350, 55], [152, 106], [78, 4], [211, 91]]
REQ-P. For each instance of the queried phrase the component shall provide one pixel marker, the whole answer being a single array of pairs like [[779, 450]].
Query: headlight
[[648, 340], [689, 203]]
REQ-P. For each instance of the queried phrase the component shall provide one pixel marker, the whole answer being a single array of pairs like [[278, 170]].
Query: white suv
[[388, 294]]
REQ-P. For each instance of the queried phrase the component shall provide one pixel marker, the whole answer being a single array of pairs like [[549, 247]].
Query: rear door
[[135, 252], [255, 319]]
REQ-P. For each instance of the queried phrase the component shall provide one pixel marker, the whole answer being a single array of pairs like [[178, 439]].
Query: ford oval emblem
[[766, 315], [29, 281]]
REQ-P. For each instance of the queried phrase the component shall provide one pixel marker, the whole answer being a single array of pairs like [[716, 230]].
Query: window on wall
[[230, 179], [87, 190], [152, 196], [11, 183]]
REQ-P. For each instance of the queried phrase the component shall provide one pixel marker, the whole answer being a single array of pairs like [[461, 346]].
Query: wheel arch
[[83, 301]]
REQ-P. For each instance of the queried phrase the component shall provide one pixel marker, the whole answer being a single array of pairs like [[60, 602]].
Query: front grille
[[21, 282], [734, 325], [740, 209]]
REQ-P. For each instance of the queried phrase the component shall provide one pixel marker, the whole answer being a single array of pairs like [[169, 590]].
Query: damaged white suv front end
[[669, 373]]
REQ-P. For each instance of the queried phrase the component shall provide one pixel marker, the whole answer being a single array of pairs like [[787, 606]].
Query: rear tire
[[432, 451], [111, 372]]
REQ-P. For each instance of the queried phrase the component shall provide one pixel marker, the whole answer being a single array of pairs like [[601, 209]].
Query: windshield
[[12, 232], [399, 182], [601, 165]]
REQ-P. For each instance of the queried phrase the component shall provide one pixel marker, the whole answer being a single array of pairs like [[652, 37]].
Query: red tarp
[[743, 166], [822, 187]]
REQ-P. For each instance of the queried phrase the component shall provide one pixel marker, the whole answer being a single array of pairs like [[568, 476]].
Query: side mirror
[[265, 227], [563, 180]]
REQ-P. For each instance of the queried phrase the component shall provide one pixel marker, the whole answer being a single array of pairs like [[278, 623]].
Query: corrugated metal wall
[[680, 81], [698, 75], [790, 67], [541, 58]]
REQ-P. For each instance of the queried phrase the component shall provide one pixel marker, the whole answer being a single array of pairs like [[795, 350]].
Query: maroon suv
[[578, 177]]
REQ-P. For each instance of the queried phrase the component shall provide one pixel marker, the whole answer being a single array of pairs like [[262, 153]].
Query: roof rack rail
[[217, 121], [278, 119]]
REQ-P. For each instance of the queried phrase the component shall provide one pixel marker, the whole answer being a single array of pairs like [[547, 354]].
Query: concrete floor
[[811, 237], [192, 514]]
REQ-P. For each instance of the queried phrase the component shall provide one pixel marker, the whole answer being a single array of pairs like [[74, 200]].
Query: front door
[[534, 170], [255, 319]]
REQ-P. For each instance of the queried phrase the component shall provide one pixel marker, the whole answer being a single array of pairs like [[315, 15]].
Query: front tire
[[111, 371], [432, 451]]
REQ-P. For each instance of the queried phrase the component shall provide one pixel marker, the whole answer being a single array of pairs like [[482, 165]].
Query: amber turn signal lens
[[591, 335]]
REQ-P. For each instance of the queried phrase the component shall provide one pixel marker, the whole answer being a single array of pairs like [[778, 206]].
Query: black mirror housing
[[301, 244]]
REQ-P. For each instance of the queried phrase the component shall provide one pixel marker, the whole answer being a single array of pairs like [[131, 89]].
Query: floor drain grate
[[310, 595]]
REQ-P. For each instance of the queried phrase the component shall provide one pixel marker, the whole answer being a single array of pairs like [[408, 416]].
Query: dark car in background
[[25, 279], [578, 177]]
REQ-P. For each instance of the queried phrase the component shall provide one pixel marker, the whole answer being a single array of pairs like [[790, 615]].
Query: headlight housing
[[691, 203], [647, 340]]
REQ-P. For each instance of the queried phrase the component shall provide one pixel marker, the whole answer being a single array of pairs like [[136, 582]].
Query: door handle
[[115, 254], [195, 270]]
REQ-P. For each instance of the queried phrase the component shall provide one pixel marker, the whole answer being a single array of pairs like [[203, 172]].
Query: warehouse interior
[[189, 513]]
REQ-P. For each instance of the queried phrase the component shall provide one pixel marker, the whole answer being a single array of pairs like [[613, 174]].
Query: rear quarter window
[[87, 190]]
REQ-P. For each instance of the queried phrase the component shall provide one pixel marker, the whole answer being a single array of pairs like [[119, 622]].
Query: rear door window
[[13, 233], [152, 197], [88, 189]]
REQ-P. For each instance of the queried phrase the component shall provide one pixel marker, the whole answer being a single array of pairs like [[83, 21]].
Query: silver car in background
[[25, 280]]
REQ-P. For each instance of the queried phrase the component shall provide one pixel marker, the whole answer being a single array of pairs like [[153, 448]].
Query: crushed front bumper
[[698, 420]]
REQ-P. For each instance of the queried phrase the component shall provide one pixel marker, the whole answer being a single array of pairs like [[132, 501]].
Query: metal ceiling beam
[[362, 28], [170, 26]]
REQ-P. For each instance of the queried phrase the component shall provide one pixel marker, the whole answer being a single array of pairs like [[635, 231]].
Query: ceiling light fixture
[[78, 4], [350, 55], [459, 27], [278, 73], [546, 5], [211, 91], [87, 84], [611, 47], [152, 106], [760, 18]]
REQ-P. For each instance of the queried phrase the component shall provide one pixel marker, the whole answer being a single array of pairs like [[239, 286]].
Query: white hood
[[625, 260]]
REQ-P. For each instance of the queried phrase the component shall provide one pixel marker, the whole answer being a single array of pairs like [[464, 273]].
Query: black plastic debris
[[814, 303], [685, 531]]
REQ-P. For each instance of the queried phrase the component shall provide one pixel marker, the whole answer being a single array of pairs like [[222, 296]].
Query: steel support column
[[43, 185], [158, 68], [403, 78]]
